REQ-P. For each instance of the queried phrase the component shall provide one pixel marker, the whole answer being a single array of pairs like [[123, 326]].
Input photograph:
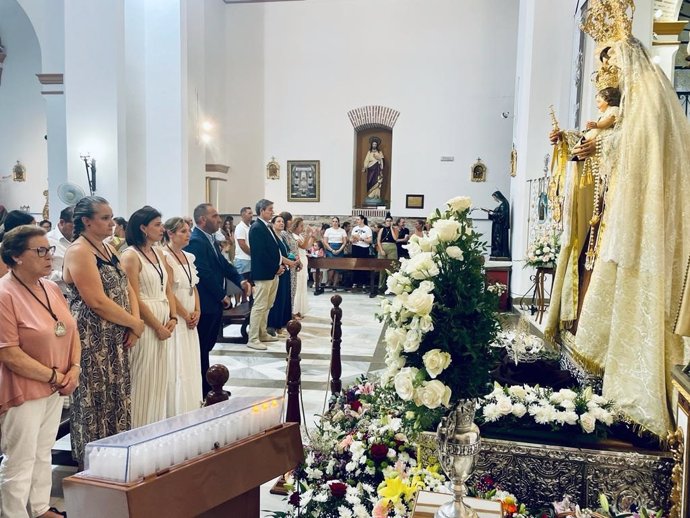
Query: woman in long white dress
[[150, 275], [184, 385], [304, 241]]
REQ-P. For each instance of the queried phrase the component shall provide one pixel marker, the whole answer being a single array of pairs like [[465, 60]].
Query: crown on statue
[[609, 20], [607, 76]]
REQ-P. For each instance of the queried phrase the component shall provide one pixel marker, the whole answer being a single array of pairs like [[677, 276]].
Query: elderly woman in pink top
[[39, 355]]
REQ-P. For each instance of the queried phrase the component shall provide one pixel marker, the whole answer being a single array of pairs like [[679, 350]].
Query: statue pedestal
[[680, 494]]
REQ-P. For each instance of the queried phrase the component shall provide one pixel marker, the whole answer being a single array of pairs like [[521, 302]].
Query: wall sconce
[[206, 133], [90, 165]]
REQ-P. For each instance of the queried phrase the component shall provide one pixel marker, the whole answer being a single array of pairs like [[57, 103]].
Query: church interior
[[484, 207]]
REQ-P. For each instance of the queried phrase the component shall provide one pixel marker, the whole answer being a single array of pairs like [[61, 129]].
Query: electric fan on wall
[[70, 193]]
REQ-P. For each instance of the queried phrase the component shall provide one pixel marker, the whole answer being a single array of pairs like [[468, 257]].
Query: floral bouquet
[[557, 409], [442, 320], [361, 462], [544, 250]]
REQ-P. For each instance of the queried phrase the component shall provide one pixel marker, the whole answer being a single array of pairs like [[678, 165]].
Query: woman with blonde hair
[[184, 383], [304, 238]]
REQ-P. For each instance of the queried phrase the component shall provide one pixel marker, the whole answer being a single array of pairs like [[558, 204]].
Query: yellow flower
[[394, 488]]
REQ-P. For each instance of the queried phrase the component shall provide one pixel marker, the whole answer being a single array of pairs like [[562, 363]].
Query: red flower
[[338, 489], [378, 451], [294, 499], [355, 405]]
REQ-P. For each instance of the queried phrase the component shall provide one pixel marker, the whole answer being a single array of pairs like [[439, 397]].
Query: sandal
[[54, 510]]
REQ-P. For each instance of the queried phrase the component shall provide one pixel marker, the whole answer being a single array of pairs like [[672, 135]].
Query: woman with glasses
[[13, 219], [106, 311], [39, 361]]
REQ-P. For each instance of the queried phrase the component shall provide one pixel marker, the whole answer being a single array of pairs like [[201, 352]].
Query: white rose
[[395, 337], [454, 252], [422, 266], [519, 410], [436, 361], [504, 405], [412, 247], [435, 394], [419, 302], [426, 286], [412, 340], [459, 203], [396, 283], [447, 229], [517, 391], [426, 324], [404, 382], [588, 422]]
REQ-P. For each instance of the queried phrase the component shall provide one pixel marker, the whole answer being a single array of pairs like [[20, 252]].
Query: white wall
[[243, 118], [447, 66], [22, 112]]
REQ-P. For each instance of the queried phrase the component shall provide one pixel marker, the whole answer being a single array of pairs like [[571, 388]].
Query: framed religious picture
[[303, 180], [414, 201], [19, 172], [478, 171], [273, 170]]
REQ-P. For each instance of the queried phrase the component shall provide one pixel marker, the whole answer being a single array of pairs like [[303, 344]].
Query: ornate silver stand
[[458, 446]]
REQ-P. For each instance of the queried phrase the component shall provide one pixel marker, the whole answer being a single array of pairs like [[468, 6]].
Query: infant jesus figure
[[608, 102]]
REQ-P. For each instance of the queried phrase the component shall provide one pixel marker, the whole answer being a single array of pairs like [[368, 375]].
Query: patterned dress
[[101, 403]]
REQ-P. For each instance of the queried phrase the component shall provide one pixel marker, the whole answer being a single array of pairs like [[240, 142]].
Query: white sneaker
[[258, 346], [268, 338]]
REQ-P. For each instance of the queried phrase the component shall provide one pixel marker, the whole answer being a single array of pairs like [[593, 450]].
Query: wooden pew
[[237, 315], [370, 264]]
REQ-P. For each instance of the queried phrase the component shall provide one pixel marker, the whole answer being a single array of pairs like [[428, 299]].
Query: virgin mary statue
[[625, 318]]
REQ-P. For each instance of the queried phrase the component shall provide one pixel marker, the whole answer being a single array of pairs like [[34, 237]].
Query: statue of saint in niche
[[373, 167]]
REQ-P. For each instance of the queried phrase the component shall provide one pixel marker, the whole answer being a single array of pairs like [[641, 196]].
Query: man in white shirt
[[360, 237], [61, 237], [243, 259]]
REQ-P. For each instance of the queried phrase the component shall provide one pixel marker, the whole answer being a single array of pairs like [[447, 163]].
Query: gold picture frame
[[414, 201], [303, 180], [478, 171]]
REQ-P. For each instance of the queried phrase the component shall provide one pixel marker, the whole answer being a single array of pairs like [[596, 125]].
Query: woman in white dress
[[304, 240], [184, 385], [150, 275]]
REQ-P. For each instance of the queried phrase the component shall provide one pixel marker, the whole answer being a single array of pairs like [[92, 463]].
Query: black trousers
[[360, 277], [208, 328]]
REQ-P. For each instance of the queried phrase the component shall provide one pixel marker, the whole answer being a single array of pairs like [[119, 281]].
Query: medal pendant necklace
[[157, 266], [59, 328], [188, 274]]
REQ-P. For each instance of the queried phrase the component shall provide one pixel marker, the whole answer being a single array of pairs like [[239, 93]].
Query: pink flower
[[367, 388], [345, 443], [380, 510]]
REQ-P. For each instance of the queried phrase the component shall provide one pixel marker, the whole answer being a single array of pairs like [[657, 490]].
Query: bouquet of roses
[[544, 250], [442, 320]]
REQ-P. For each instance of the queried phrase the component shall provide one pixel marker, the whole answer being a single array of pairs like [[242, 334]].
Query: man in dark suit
[[212, 269], [266, 267]]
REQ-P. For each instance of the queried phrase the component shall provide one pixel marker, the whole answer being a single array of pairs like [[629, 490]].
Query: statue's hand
[[555, 136], [585, 149]]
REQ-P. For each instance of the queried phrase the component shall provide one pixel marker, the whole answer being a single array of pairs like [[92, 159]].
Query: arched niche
[[372, 123]]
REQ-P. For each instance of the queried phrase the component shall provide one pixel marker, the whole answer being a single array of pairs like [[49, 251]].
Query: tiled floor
[[262, 373]]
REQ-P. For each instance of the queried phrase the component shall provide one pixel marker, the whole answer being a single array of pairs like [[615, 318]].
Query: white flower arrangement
[[543, 251], [443, 317], [565, 407]]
